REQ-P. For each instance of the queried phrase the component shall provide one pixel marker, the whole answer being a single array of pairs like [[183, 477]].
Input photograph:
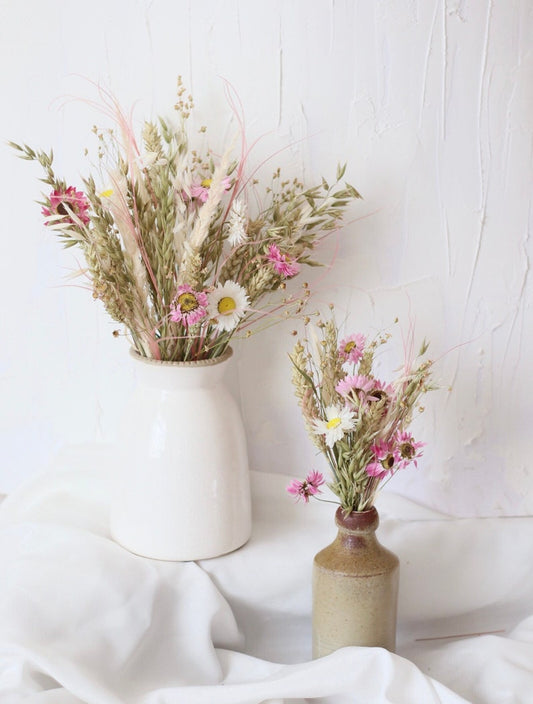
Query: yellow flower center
[[333, 423], [106, 194], [226, 305], [187, 302], [206, 183], [349, 346]]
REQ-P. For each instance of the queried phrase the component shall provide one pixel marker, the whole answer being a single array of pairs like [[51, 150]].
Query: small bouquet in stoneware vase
[[182, 247], [360, 423]]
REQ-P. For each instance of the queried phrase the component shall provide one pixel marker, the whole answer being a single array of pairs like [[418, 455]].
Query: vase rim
[[192, 363], [357, 520]]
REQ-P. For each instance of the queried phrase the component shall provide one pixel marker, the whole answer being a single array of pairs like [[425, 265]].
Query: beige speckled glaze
[[355, 588]]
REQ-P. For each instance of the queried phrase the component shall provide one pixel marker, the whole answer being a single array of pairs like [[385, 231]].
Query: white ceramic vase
[[183, 487]]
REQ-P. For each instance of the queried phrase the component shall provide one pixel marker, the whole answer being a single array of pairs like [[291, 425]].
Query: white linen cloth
[[83, 620]]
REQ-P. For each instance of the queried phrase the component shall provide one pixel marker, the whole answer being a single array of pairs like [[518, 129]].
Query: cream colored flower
[[237, 223], [227, 305], [338, 422]]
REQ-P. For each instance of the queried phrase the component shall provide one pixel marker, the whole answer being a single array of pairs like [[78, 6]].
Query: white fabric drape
[[83, 620]]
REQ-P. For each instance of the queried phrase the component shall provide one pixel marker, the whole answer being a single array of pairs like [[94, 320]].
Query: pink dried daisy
[[201, 190], [351, 348], [189, 306], [283, 265], [355, 388], [386, 459], [408, 449], [380, 391], [61, 202], [309, 487]]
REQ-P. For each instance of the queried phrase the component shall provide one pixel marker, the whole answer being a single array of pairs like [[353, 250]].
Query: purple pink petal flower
[[61, 202], [282, 264], [380, 391], [351, 348], [189, 306], [386, 459], [310, 486], [355, 387], [201, 190], [408, 448]]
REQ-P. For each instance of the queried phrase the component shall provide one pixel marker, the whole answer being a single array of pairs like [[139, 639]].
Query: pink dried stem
[[110, 106]]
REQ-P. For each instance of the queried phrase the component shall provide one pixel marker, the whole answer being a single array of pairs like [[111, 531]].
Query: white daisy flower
[[338, 422], [237, 223], [227, 305]]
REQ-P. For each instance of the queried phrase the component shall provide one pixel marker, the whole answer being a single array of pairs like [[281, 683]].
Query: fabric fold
[[83, 621]]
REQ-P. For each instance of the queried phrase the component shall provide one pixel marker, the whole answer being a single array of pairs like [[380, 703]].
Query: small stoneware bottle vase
[[355, 587], [182, 488]]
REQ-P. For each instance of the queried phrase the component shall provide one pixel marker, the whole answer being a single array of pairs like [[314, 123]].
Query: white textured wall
[[430, 103]]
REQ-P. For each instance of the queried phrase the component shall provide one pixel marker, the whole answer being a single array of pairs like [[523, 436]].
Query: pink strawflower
[[201, 190], [309, 486], [351, 348], [380, 391], [356, 387], [282, 264], [386, 459], [189, 306], [409, 450], [74, 200]]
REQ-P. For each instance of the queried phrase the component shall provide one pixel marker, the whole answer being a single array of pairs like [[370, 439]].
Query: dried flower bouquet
[[359, 422], [180, 247]]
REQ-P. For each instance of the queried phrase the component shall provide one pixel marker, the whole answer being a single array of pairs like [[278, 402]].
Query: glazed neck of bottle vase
[[357, 528]]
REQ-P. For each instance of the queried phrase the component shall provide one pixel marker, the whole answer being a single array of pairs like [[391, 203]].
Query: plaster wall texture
[[430, 103]]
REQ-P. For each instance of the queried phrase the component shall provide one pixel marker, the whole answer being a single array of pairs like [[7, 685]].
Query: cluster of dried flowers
[[359, 422], [176, 255], [172, 247]]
